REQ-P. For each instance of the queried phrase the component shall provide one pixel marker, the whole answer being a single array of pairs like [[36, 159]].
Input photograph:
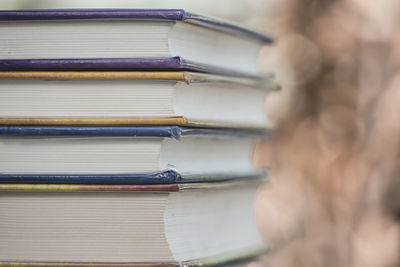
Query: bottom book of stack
[[139, 225]]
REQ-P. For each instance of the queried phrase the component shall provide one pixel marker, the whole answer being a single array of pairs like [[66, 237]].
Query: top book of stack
[[134, 39]]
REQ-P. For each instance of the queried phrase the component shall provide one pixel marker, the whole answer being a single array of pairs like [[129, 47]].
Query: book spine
[[117, 131], [72, 14], [172, 63], [166, 177], [84, 121], [95, 75], [88, 188], [88, 264]]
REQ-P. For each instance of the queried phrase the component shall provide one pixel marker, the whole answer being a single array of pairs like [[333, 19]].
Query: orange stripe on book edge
[[179, 120], [86, 264], [86, 187], [75, 75]]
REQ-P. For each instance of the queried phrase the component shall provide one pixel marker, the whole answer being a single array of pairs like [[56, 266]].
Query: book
[[126, 38], [133, 98], [127, 225], [125, 155]]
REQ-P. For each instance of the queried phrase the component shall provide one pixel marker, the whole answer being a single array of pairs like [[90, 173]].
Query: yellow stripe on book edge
[[75, 75], [88, 264], [178, 120]]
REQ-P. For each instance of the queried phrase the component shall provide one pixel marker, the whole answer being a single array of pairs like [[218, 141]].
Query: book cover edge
[[174, 187], [196, 181], [107, 64], [264, 83], [137, 14], [97, 75], [86, 121], [129, 121], [163, 177], [87, 264], [156, 131]]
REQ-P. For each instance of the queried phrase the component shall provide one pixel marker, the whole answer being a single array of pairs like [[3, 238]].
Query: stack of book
[[126, 138]]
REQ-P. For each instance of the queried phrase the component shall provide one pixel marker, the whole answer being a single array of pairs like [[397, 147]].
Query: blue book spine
[[165, 177], [174, 132], [158, 131]]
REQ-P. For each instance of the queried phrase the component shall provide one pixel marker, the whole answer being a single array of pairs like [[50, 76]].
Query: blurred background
[[334, 195]]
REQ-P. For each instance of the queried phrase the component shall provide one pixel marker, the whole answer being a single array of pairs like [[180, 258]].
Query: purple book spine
[[134, 14], [55, 14], [92, 63]]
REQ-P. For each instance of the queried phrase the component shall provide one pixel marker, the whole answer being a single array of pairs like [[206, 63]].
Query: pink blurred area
[[334, 196]]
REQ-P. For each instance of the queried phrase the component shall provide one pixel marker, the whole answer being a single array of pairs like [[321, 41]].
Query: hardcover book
[[133, 98], [127, 225], [126, 38], [125, 155]]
